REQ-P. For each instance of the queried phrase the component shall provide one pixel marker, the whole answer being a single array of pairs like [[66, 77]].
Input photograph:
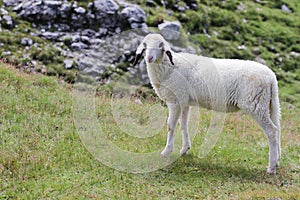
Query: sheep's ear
[[169, 54], [139, 53], [138, 57]]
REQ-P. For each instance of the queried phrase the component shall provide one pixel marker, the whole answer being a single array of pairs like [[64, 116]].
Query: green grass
[[42, 156]]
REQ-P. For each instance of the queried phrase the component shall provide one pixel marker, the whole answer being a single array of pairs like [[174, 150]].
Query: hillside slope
[[266, 31], [42, 156]]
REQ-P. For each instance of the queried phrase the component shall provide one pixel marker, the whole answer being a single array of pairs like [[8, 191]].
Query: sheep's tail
[[275, 113]]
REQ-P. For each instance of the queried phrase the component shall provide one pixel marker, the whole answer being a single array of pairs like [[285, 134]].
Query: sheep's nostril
[[150, 59]]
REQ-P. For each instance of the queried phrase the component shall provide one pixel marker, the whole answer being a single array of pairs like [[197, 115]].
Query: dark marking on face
[[169, 54], [138, 57]]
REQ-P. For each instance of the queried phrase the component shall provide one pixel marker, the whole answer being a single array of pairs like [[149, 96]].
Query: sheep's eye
[[161, 45], [145, 45]]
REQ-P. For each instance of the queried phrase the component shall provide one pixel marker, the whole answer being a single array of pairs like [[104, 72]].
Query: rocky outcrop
[[170, 30], [67, 16], [86, 31], [98, 39]]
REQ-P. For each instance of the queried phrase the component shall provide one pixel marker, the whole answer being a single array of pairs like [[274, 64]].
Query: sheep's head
[[154, 46]]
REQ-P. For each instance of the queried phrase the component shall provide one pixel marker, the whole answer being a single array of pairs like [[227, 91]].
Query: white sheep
[[184, 80]]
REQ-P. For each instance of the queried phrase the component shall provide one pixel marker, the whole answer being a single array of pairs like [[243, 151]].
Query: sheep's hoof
[[271, 170], [184, 151], [165, 152]]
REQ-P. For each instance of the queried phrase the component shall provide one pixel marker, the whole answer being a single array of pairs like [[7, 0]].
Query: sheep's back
[[220, 81]]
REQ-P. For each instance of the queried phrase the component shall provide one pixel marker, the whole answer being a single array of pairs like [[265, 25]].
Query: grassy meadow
[[42, 155], [50, 148]]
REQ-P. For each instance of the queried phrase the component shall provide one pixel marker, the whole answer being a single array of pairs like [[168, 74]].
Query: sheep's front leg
[[186, 143], [174, 113]]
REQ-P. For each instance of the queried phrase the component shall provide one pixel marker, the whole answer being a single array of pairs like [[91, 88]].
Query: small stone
[[8, 21], [181, 8], [3, 11], [68, 64], [215, 33], [260, 60], [52, 3], [295, 54], [286, 9], [118, 30], [138, 25], [85, 39], [26, 41], [96, 41], [80, 10], [90, 5], [242, 47], [6, 53], [207, 35], [34, 63], [194, 6], [50, 35], [74, 5], [88, 32], [279, 59], [63, 27], [103, 31], [170, 30], [78, 46]]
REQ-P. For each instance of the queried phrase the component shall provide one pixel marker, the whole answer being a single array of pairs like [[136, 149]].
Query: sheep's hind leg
[[271, 132], [186, 143], [174, 113]]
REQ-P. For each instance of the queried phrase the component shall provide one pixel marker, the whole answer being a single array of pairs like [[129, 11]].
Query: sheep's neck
[[158, 72]]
